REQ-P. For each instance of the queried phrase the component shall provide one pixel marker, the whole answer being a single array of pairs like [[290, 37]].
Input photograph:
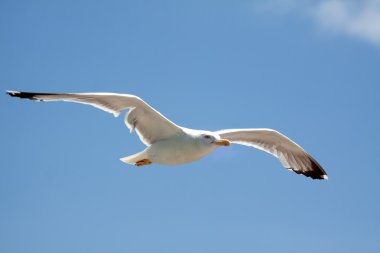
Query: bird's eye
[[207, 136]]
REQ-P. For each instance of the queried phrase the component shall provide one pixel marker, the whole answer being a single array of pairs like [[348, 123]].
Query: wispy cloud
[[357, 18]]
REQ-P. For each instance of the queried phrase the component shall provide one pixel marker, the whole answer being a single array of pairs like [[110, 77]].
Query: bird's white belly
[[177, 150]]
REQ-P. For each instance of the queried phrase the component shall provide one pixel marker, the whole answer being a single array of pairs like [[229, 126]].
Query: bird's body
[[170, 144], [183, 148]]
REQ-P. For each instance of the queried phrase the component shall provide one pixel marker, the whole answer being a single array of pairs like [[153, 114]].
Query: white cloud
[[358, 18], [361, 19]]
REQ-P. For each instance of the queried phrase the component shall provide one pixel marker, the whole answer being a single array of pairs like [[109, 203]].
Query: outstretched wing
[[290, 154], [150, 125]]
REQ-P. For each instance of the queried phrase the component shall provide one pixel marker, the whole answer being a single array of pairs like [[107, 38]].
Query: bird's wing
[[150, 125], [291, 155]]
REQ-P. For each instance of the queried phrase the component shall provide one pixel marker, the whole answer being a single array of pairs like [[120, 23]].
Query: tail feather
[[133, 159]]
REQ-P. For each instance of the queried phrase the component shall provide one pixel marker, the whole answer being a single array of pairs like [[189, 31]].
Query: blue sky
[[310, 71]]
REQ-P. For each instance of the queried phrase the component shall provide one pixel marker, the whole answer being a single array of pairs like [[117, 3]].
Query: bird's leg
[[143, 162]]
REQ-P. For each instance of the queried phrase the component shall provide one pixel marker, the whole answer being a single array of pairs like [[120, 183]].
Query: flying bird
[[170, 144]]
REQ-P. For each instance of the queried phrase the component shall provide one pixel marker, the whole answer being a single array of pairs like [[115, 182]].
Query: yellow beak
[[222, 142]]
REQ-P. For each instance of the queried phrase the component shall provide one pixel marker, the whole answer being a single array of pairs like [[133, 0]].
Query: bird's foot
[[143, 162]]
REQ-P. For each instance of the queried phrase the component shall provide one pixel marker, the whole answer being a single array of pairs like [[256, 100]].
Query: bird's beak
[[222, 142]]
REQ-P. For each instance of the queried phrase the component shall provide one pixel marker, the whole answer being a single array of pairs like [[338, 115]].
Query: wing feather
[[149, 124], [290, 154]]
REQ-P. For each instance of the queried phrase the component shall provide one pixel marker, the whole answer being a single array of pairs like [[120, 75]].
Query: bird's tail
[[132, 159]]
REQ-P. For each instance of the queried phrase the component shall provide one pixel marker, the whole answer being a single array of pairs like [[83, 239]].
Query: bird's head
[[214, 139]]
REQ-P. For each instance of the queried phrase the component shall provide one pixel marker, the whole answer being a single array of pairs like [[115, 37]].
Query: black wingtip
[[27, 95], [12, 93], [320, 173], [316, 172], [20, 94], [312, 174]]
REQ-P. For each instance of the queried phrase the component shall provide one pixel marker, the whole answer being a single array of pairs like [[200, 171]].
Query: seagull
[[170, 144]]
